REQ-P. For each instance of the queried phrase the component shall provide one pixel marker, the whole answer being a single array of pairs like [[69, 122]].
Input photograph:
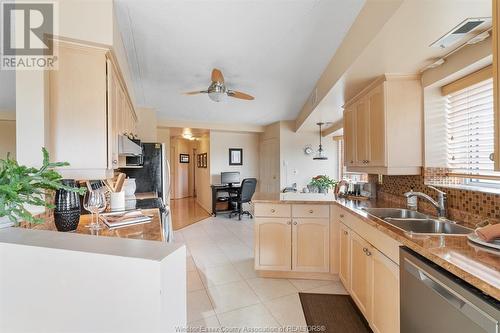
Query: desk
[[222, 188]]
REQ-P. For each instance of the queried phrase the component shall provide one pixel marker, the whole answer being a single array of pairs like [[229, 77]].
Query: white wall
[[220, 142], [296, 167]]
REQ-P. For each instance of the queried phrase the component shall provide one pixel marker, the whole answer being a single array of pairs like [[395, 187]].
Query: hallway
[[223, 287], [185, 212]]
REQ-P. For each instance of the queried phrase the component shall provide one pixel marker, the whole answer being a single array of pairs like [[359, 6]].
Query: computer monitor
[[230, 178]]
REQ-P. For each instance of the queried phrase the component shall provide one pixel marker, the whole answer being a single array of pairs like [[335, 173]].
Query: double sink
[[417, 223]]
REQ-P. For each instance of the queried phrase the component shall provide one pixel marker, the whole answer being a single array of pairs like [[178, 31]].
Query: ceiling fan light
[[216, 96]]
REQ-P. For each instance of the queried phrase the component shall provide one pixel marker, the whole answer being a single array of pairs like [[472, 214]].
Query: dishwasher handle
[[468, 309]]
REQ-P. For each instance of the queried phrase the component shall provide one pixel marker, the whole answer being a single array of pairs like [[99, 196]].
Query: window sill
[[473, 188]]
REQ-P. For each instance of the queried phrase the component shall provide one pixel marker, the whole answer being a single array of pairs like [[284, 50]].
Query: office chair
[[244, 195]]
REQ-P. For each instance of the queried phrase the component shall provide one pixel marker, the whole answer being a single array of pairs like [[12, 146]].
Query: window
[[470, 128]]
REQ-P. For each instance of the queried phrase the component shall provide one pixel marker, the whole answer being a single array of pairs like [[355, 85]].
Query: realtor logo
[[27, 31]]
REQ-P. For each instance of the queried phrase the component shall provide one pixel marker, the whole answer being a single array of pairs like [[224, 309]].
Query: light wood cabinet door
[[496, 80], [344, 256], [311, 244], [361, 271], [349, 136], [385, 294], [273, 244], [376, 142], [78, 118], [362, 132], [113, 125]]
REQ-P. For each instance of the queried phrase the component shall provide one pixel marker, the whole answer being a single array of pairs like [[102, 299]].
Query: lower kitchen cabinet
[[361, 273], [310, 245], [273, 244], [372, 280], [344, 256], [385, 294]]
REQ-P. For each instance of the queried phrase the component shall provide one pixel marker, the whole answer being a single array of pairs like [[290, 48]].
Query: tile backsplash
[[465, 206]]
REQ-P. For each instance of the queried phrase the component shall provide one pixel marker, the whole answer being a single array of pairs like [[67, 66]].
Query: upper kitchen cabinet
[[383, 127], [89, 107], [496, 81]]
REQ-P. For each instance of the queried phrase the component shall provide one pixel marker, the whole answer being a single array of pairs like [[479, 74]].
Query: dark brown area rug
[[337, 313]]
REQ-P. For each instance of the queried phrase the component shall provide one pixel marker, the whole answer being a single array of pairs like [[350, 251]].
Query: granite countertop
[[147, 231], [476, 265]]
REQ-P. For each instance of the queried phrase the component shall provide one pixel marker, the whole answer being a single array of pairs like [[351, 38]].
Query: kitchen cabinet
[[349, 137], [273, 244], [361, 273], [344, 256], [496, 80], [292, 238], [384, 294], [371, 278], [88, 103], [311, 249], [383, 127]]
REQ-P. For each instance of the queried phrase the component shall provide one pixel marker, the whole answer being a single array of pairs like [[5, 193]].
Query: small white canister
[[117, 201], [129, 187]]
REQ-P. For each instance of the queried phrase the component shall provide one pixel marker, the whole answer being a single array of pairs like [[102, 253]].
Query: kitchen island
[[120, 280]]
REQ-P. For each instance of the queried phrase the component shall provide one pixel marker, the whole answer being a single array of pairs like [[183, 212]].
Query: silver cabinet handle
[[273, 210], [342, 216], [295, 223], [311, 211], [345, 233], [368, 253], [365, 249], [115, 161]]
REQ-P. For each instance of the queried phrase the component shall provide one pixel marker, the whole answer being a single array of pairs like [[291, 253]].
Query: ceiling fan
[[217, 90]]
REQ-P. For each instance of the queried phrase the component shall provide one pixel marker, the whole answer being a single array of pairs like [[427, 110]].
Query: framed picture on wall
[[184, 158], [235, 156], [202, 160]]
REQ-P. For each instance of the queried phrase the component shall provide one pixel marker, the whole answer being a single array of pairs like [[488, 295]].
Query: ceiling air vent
[[468, 27]]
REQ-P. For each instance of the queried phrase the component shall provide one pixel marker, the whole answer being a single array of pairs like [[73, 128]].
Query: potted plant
[[323, 183], [21, 186]]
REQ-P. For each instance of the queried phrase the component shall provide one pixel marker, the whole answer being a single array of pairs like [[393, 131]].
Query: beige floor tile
[[268, 289], [287, 310], [305, 285], [255, 316], [194, 281], [198, 306], [246, 269], [232, 296], [214, 276], [335, 288], [190, 265], [199, 325]]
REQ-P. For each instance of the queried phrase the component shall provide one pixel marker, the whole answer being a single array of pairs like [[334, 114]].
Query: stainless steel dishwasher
[[435, 301]]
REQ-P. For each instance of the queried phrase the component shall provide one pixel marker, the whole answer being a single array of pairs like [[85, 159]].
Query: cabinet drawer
[[272, 210], [320, 211]]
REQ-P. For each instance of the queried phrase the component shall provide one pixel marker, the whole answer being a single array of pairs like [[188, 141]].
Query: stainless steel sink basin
[[429, 226], [396, 213], [417, 223]]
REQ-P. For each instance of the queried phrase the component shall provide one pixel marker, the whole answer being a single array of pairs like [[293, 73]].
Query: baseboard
[[298, 275]]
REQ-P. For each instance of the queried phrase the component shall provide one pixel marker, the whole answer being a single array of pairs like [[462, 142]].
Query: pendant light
[[320, 155]]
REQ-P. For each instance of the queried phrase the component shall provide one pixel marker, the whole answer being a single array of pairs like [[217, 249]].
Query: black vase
[[67, 210]]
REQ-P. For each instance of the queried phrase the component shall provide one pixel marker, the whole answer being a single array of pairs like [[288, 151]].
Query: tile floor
[[223, 288]]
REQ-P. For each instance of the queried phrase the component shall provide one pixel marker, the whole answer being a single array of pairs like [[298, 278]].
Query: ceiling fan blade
[[240, 95], [196, 92], [217, 76]]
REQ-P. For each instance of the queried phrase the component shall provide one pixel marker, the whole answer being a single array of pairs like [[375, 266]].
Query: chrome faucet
[[440, 204]]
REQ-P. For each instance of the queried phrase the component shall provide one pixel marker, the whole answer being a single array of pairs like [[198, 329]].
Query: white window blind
[[470, 127]]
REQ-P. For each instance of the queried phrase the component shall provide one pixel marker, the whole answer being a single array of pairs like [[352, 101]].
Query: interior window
[[470, 129]]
